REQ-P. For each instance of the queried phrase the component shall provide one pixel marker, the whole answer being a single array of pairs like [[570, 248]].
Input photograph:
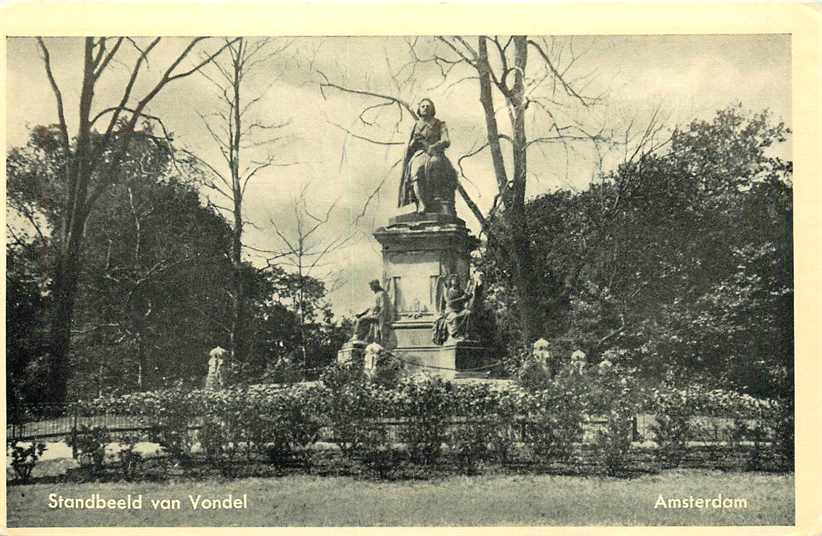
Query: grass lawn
[[459, 501]]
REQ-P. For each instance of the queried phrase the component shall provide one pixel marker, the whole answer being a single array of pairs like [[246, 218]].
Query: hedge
[[477, 423]]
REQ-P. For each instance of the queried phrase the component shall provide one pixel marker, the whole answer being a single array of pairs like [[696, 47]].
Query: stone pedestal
[[418, 251], [452, 360], [467, 355], [352, 352]]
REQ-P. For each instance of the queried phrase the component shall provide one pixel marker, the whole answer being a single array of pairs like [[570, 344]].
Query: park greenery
[[152, 298], [679, 265], [579, 421]]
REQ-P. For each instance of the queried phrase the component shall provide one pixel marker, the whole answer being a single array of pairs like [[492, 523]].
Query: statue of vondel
[[428, 177]]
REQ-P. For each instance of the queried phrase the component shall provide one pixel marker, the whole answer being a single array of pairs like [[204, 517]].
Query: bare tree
[[304, 251], [93, 160], [236, 133]]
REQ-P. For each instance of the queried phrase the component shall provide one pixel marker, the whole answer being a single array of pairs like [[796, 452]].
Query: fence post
[[634, 428], [74, 433]]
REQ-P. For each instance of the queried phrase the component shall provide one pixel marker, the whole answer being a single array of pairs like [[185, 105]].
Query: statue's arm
[[444, 141], [379, 306], [415, 143]]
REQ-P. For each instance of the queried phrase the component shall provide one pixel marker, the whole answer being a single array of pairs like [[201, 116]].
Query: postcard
[[537, 269]]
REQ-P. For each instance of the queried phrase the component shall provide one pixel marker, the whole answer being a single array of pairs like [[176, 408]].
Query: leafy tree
[[154, 263], [152, 286], [678, 261], [151, 298], [297, 325], [25, 327], [91, 163]]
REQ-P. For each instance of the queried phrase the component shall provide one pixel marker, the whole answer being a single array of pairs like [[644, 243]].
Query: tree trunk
[[513, 193], [238, 304], [491, 127], [67, 267], [64, 290], [238, 320], [525, 276]]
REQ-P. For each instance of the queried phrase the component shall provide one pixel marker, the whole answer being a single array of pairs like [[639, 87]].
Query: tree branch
[[569, 90], [102, 66], [396, 100], [364, 138], [61, 116]]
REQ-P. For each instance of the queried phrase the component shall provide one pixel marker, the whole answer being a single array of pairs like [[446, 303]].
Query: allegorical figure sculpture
[[214, 379], [578, 362], [541, 350], [427, 174], [370, 325], [452, 325], [371, 358]]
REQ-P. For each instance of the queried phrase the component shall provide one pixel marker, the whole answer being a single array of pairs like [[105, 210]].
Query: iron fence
[[52, 421]]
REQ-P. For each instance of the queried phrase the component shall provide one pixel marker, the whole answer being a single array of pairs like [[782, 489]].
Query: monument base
[[452, 360], [352, 352]]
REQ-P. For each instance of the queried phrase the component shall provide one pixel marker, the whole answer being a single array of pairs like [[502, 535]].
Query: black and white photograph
[[409, 280]]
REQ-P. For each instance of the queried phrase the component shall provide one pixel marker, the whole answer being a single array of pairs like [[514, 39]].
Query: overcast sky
[[686, 77]]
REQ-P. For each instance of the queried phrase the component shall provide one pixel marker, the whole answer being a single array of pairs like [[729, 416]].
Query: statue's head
[[426, 108], [454, 281], [375, 285]]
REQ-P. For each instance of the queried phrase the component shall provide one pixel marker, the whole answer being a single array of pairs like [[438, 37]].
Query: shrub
[[300, 417], [620, 399], [780, 416], [553, 426], [130, 461], [533, 375], [348, 406], [552, 432], [498, 410], [227, 428], [378, 453], [514, 359], [276, 422], [671, 433], [687, 413], [389, 371], [23, 459], [425, 407], [671, 428], [470, 444], [262, 422], [614, 441], [221, 445], [90, 443], [172, 414], [282, 423]]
